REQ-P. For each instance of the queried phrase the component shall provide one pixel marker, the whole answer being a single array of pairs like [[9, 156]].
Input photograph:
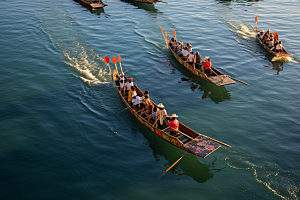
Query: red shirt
[[173, 125], [207, 65]]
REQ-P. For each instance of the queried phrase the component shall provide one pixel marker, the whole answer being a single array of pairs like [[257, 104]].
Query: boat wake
[[280, 183], [65, 32]]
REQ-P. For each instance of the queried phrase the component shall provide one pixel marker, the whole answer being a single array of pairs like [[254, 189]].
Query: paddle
[[166, 34], [173, 164], [256, 19], [163, 34], [106, 59], [114, 60], [119, 58], [238, 80], [174, 34]]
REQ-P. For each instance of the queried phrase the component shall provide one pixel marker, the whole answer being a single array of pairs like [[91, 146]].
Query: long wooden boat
[[187, 140], [217, 78], [278, 54], [93, 4]]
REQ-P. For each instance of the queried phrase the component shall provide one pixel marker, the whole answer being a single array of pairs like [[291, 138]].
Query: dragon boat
[[187, 139], [217, 77]]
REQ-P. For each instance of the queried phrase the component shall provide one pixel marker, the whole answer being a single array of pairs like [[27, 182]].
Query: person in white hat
[[162, 114], [206, 68], [174, 125]]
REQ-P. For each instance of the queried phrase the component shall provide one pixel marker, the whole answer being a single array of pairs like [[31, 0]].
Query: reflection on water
[[216, 93], [148, 7], [189, 165], [277, 62], [240, 2]]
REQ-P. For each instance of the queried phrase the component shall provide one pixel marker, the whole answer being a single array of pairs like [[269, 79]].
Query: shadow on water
[[148, 7], [189, 165], [216, 93]]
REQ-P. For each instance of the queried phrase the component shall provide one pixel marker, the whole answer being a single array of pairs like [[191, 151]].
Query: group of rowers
[[187, 55], [144, 106], [271, 41]]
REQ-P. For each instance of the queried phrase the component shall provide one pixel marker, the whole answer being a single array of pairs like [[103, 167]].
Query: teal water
[[64, 133]]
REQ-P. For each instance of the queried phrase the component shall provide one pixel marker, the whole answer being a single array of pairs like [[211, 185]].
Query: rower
[[189, 47], [161, 114], [185, 53], [128, 84], [261, 34], [207, 66], [174, 125], [198, 60], [279, 47], [136, 102], [271, 44], [191, 59], [130, 94]]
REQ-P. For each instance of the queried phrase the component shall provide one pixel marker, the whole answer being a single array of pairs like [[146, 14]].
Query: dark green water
[[64, 133]]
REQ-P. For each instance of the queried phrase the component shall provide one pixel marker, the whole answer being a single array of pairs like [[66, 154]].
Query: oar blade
[[106, 59], [119, 58], [166, 34], [174, 33], [256, 18], [160, 28], [114, 59]]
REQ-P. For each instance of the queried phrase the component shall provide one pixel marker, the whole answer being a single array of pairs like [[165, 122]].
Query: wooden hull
[[219, 80], [191, 143], [283, 54], [92, 4]]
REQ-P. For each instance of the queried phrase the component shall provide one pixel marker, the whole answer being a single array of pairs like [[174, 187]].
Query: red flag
[[106, 59], [256, 18], [114, 59]]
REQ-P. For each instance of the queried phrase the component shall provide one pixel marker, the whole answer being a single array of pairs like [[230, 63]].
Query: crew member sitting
[[161, 114], [191, 59], [130, 93], [136, 102], [261, 34], [185, 53], [128, 84], [279, 47], [174, 125], [198, 61], [207, 66], [189, 47], [271, 44]]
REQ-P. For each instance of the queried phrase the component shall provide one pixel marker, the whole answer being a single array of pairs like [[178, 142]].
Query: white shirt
[[191, 58], [278, 46], [121, 85], [128, 85], [190, 49], [136, 100], [271, 43], [185, 52]]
